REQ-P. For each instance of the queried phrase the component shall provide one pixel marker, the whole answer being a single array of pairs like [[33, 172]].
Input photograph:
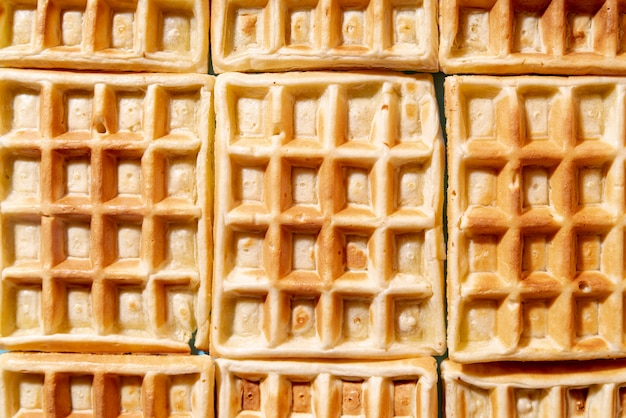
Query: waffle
[[520, 390], [328, 216], [400, 388], [536, 224], [521, 37], [84, 385], [106, 35], [105, 212], [271, 35]]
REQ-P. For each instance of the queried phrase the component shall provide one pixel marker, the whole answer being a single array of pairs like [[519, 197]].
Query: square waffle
[[328, 216], [106, 35], [525, 390], [105, 211], [536, 218], [539, 36], [271, 35], [397, 388], [38, 385]]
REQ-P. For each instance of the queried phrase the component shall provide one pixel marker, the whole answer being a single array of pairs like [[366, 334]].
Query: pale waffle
[[398, 388], [540, 36], [328, 216], [525, 390], [106, 35], [535, 212], [106, 209], [274, 35], [38, 385]]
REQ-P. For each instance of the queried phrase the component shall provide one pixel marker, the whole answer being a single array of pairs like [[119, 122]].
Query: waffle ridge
[[536, 234], [106, 213], [328, 221], [279, 35]]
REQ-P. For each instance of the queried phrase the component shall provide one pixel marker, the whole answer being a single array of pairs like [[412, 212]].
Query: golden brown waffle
[[539, 36], [400, 388], [106, 35], [105, 211], [84, 385], [328, 216], [535, 389], [270, 35], [536, 202]]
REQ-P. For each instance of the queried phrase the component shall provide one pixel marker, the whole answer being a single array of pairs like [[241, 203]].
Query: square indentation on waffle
[[388, 388], [545, 36], [536, 235], [115, 35], [105, 211], [269, 35], [328, 222], [83, 385], [534, 389]]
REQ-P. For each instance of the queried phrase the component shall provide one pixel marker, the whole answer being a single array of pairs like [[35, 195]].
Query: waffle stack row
[[535, 208], [105, 209], [287, 229], [329, 247], [106, 240]]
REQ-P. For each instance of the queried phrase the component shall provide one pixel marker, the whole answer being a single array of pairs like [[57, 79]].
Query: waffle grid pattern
[[335, 226], [105, 215], [271, 35], [110, 35], [41, 385], [535, 390], [394, 389], [537, 232], [548, 37]]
